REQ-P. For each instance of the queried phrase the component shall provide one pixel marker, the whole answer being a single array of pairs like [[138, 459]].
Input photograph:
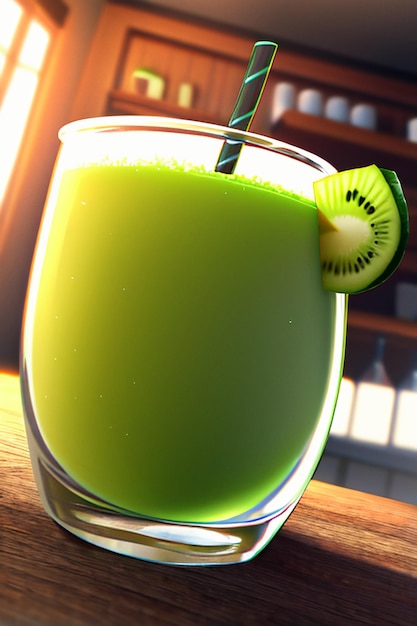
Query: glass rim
[[131, 123]]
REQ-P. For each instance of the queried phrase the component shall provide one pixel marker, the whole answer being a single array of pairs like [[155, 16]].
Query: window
[[24, 41]]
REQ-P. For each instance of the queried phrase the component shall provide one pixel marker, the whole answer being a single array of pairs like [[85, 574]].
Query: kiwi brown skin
[[369, 213]]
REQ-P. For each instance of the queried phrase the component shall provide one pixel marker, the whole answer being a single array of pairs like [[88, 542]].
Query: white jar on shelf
[[411, 130], [364, 116], [337, 109], [311, 101]]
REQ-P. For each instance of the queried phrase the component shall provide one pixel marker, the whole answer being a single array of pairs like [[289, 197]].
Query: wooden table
[[343, 557]]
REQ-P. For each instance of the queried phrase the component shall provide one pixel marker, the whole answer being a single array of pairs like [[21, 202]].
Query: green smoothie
[[181, 340]]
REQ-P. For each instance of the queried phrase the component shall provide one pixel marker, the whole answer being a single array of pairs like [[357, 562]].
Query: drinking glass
[[180, 360]]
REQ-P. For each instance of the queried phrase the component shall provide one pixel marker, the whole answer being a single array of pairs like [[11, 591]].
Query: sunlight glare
[[18, 99], [34, 47], [14, 113], [10, 13]]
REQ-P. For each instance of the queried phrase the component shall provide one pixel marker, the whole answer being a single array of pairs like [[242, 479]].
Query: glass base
[[150, 539]]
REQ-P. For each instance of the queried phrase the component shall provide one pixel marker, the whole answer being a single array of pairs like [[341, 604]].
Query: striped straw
[[247, 101]]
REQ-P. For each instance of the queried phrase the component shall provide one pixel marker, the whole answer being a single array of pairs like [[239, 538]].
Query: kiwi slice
[[363, 223]]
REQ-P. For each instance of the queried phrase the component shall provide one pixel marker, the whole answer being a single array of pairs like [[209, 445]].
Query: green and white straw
[[259, 66]]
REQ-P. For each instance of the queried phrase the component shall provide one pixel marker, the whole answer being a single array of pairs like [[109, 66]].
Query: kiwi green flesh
[[368, 210]]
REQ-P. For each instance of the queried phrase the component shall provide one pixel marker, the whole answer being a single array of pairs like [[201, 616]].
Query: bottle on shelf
[[374, 402], [404, 427]]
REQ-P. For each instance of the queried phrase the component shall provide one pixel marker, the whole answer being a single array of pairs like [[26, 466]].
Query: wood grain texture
[[343, 557]]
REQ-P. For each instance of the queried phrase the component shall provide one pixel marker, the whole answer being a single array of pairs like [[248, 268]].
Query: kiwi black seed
[[368, 232]]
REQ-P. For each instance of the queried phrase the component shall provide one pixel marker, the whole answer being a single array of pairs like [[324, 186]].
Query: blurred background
[[344, 85]]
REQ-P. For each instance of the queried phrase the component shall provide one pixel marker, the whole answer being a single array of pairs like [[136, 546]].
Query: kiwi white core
[[350, 233]]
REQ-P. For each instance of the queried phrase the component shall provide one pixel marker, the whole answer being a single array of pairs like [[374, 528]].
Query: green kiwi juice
[[180, 338]]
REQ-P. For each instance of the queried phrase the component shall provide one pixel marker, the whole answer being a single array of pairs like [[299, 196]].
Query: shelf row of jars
[[338, 108]]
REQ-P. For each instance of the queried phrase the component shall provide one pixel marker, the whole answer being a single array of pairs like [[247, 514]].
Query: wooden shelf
[[384, 456], [383, 325], [126, 103], [347, 146]]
